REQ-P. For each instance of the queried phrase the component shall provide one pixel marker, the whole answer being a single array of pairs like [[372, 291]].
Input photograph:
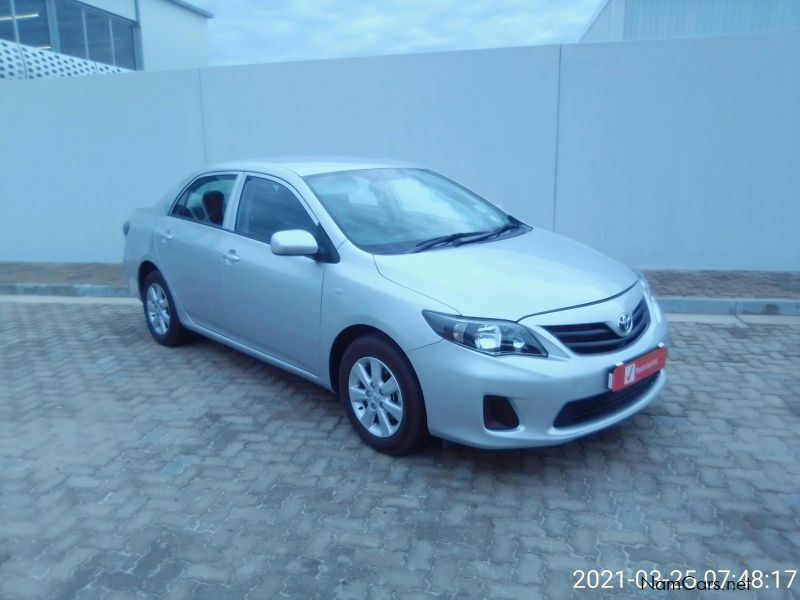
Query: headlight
[[645, 284], [485, 335]]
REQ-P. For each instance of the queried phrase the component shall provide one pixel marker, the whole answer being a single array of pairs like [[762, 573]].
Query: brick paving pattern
[[726, 284], [129, 470], [63, 273]]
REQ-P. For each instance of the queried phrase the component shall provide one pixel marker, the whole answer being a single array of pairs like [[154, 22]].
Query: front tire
[[160, 313], [382, 397]]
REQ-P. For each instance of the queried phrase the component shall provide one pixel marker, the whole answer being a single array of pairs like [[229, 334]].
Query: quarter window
[[267, 206], [205, 199]]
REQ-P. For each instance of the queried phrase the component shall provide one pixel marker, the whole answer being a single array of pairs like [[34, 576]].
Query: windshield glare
[[392, 210]]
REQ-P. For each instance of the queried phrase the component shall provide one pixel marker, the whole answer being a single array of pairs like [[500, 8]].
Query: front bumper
[[455, 380]]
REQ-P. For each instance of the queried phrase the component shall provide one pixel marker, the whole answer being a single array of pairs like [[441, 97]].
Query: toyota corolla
[[428, 310]]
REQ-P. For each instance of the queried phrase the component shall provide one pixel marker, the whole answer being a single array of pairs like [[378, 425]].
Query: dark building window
[[6, 22], [98, 36], [31, 20], [25, 21], [90, 33], [77, 30], [124, 48], [71, 36]]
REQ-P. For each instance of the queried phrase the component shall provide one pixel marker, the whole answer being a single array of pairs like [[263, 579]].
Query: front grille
[[595, 338], [595, 407]]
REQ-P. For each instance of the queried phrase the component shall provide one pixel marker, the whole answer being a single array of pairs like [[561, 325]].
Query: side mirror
[[294, 242]]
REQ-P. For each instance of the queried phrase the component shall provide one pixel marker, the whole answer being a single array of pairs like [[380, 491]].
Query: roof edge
[[191, 7], [597, 12], [303, 166]]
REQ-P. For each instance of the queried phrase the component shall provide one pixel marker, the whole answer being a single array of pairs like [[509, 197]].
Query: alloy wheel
[[376, 397], [158, 309]]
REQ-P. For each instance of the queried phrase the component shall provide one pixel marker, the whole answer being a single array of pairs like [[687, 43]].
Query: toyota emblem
[[625, 323]]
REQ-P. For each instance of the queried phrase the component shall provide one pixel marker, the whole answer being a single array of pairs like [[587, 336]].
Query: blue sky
[[248, 31]]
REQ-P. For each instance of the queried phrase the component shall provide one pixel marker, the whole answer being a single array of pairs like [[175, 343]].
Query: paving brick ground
[[128, 470], [62, 273], [727, 284], [715, 284]]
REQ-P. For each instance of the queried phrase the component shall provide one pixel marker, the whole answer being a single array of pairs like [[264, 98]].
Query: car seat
[[213, 203]]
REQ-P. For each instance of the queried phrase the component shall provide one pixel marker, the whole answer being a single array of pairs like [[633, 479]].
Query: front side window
[[266, 207], [391, 210], [205, 199]]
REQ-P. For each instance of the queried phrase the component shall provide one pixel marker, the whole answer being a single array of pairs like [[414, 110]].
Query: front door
[[272, 302]]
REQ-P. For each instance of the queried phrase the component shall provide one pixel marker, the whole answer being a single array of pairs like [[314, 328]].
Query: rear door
[[272, 302], [188, 242]]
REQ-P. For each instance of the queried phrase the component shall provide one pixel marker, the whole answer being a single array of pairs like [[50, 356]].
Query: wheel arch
[[345, 338], [145, 269]]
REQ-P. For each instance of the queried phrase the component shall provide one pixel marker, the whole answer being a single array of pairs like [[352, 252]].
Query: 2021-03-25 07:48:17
[[685, 579]]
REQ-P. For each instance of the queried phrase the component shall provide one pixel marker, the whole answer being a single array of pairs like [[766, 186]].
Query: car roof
[[303, 166]]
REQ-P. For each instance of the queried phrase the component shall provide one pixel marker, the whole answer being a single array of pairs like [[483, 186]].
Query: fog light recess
[[498, 414]]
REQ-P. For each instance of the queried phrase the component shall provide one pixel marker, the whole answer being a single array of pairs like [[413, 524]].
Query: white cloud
[[248, 31]]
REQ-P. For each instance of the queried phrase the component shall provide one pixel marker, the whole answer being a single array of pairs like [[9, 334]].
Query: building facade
[[620, 20], [40, 38]]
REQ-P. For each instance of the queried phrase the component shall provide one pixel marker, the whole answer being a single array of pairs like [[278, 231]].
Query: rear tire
[[160, 313], [382, 396]]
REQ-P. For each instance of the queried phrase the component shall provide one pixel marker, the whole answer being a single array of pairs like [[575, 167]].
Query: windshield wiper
[[510, 226], [461, 238], [446, 239]]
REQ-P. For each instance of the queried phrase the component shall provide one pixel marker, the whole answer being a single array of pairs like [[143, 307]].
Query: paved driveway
[[130, 470]]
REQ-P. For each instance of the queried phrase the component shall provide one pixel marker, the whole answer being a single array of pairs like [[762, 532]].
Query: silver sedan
[[425, 308]]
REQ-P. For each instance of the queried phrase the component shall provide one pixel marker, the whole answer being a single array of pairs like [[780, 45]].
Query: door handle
[[231, 256], [166, 236]]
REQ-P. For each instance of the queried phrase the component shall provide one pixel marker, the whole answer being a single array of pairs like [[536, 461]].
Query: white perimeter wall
[[685, 153], [664, 154]]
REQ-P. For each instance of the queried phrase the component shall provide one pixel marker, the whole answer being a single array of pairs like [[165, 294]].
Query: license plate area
[[633, 371]]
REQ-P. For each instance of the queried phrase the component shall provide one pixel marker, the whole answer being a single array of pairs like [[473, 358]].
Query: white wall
[[683, 153], [77, 154], [671, 154], [486, 118], [172, 36]]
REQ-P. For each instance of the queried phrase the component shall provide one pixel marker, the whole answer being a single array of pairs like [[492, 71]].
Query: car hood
[[512, 278]]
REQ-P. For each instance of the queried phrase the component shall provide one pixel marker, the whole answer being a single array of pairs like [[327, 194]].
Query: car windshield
[[390, 210]]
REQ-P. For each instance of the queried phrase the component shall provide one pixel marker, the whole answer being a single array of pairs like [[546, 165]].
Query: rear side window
[[266, 206], [205, 199]]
